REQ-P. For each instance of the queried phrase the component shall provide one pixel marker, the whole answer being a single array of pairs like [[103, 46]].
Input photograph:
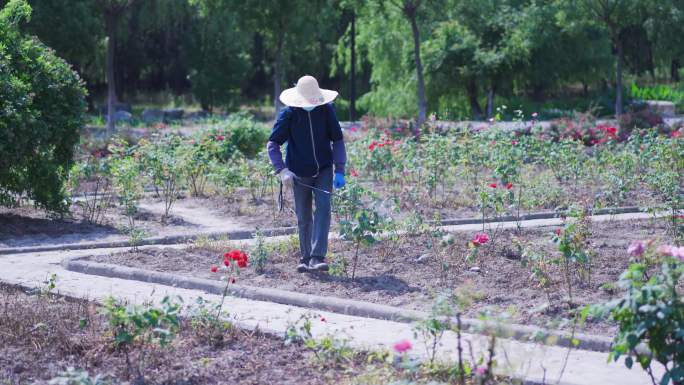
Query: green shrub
[[92, 179], [650, 314], [141, 328], [657, 92], [43, 106], [128, 185], [197, 159], [159, 159], [242, 133]]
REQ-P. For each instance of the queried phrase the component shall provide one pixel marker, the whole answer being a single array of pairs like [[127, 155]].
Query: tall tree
[[217, 53], [284, 26], [112, 12], [73, 31], [478, 45], [348, 60], [411, 9], [562, 57], [387, 42], [666, 32], [617, 17]]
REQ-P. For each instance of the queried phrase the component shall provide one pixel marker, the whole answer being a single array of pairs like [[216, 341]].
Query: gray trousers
[[313, 228]]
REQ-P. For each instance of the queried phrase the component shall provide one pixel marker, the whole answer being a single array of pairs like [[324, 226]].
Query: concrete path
[[230, 232], [549, 222], [535, 363]]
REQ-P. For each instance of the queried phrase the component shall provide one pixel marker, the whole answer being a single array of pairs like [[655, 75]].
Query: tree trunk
[[422, 104], [618, 77], [277, 76], [674, 70], [471, 90], [490, 100], [538, 92], [110, 25], [352, 88]]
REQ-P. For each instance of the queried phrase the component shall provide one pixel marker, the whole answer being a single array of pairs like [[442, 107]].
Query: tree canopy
[[468, 54]]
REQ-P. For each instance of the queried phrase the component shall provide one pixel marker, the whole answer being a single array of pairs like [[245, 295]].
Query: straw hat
[[307, 94]]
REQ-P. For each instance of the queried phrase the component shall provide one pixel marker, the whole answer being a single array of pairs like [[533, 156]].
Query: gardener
[[314, 145]]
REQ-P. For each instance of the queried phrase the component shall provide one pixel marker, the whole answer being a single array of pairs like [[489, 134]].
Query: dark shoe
[[318, 263], [303, 266]]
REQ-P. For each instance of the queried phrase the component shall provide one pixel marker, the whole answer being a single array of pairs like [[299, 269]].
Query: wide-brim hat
[[307, 94]]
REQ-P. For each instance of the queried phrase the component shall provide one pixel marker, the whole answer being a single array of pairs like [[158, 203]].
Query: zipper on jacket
[[313, 145]]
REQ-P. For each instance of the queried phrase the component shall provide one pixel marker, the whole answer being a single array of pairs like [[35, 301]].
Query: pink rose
[[665, 250], [673, 251], [480, 239], [403, 346], [636, 249]]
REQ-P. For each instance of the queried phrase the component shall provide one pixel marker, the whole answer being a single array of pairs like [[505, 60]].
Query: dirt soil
[[408, 272], [41, 336], [28, 226]]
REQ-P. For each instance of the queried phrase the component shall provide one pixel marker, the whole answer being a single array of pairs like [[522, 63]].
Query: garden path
[[536, 363], [235, 231], [192, 219], [200, 217]]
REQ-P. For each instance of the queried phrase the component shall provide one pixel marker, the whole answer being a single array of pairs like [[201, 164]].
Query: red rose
[[220, 138], [558, 232], [214, 269], [226, 262], [242, 263], [492, 185], [373, 145], [509, 186], [238, 256]]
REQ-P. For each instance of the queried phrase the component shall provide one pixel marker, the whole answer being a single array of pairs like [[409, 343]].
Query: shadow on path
[[383, 282]]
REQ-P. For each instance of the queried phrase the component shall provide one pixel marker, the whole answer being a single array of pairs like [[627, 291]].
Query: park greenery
[[42, 104], [457, 58], [410, 68]]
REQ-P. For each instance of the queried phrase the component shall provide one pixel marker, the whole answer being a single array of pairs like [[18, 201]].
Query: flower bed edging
[[332, 304], [279, 231], [165, 240]]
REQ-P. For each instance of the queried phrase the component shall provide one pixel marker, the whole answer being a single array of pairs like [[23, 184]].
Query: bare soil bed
[[28, 226], [407, 271], [43, 335]]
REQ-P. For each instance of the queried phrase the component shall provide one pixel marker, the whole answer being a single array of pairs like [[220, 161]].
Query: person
[[315, 144]]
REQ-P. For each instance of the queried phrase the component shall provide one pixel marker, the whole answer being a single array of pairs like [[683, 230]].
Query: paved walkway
[[535, 363], [229, 231]]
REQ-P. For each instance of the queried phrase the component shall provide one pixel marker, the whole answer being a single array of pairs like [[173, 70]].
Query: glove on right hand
[[287, 177]]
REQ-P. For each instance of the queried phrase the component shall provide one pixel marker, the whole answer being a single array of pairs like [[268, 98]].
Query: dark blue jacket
[[309, 137]]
